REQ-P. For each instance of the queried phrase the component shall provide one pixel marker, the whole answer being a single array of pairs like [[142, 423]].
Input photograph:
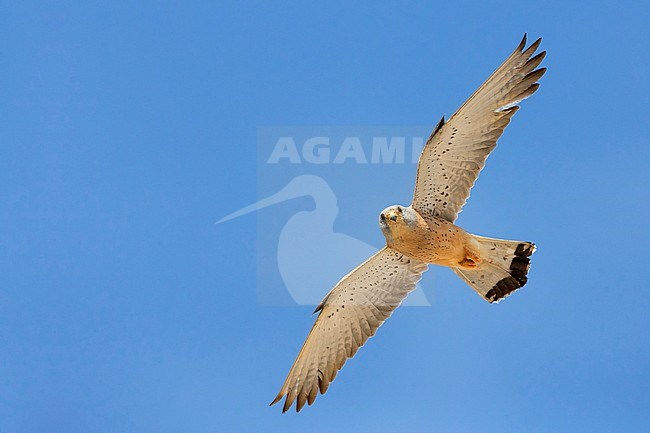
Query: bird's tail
[[503, 268]]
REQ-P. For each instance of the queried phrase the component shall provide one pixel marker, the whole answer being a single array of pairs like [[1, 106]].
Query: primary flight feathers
[[456, 151]]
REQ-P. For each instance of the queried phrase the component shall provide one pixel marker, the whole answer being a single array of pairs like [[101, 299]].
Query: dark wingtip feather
[[287, 404], [311, 397], [522, 44], [276, 399], [302, 399], [533, 47], [529, 91], [535, 75], [536, 60]]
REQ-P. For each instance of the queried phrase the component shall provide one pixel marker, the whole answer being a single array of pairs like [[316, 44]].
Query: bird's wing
[[456, 150], [349, 315]]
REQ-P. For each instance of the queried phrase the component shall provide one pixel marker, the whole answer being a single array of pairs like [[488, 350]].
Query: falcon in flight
[[424, 233]]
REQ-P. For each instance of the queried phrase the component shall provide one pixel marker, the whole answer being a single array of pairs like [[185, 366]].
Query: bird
[[424, 233], [308, 248]]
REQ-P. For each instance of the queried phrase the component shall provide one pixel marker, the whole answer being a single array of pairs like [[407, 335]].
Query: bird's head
[[395, 217]]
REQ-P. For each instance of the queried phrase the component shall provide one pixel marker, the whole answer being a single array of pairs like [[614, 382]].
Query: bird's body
[[428, 238], [425, 233]]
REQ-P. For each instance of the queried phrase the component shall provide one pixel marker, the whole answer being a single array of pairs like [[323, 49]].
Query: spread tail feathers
[[503, 268]]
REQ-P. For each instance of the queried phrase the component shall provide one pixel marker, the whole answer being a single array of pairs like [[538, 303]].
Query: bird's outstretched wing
[[456, 151], [349, 315]]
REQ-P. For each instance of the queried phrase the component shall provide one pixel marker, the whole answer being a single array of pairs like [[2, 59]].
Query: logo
[[305, 175]]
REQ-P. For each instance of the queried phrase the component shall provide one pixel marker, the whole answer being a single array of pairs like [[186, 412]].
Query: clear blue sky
[[129, 129]]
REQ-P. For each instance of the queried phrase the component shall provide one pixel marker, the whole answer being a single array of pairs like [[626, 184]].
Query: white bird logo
[[310, 254]]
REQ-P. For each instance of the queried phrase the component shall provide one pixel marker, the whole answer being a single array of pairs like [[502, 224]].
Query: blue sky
[[129, 129]]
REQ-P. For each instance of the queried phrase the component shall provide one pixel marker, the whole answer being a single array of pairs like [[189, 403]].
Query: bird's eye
[[399, 209], [382, 217]]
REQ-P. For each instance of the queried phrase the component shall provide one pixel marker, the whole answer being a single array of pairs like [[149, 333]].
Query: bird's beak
[[284, 194], [391, 215]]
